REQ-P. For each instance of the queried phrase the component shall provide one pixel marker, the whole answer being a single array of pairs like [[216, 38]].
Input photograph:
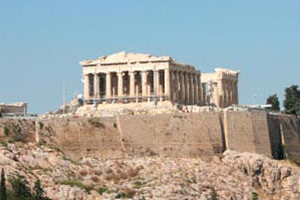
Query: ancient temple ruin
[[131, 78], [221, 87]]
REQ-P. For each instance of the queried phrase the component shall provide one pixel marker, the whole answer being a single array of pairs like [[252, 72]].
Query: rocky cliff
[[230, 176]]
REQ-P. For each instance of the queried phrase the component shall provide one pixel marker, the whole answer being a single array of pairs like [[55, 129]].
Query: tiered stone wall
[[80, 137], [182, 135], [176, 135], [290, 136], [247, 132]]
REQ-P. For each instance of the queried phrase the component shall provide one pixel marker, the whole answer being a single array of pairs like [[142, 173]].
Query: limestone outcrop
[[231, 176]]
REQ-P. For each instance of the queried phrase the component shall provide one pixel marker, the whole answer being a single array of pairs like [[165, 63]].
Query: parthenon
[[131, 78]]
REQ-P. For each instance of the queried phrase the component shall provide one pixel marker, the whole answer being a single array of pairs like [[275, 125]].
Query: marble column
[[178, 96], [203, 94], [182, 87], [108, 85], [167, 84], [155, 82], [131, 83], [97, 86], [86, 87], [200, 100], [221, 90], [175, 86], [196, 85], [216, 95], [144, 83], [236, 93], [192, 91], [187, 88], [120, 84]]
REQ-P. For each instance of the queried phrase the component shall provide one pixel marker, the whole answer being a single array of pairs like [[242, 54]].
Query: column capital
[[144, 72]]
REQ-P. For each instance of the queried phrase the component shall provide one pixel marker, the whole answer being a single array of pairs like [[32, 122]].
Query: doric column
[[236, 92], [167, 83], [144, 83], [221, 91], [178, 96], [187, 88], [192, 91], [200, 98], [97, 86], [120, 84], [216, 96], [231, 93], [108, 85], [196, 85], [203, 94], [132, 83], [86, 87], [155, 82], [182, 87], [175, 86]]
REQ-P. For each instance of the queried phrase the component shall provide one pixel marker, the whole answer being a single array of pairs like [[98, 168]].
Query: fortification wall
[[176, 135], [172, 135], [80, 137], [275, 136], [247, 132], [12, 130], [290, 137]]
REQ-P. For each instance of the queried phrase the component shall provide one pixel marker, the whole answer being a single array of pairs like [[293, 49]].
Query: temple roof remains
[[123, 57]]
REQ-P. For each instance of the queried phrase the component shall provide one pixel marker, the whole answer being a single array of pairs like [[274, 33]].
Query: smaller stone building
[[221, 88], [19, 108]]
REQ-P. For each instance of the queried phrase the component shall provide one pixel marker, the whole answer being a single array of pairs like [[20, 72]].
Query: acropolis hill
[[149, 104], [152, 128]]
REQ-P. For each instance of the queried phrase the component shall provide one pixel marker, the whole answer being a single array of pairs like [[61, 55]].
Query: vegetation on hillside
[[273, 100], [20, 189], [291, 102]]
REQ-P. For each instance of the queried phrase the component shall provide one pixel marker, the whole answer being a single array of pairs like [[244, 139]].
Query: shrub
[[213, 194], [6, 130], [101, 190], [3, 143], [75, 183], [38, 192], [254, 196], [41, 124], [20, 187], [3, 195], [96, 123], [126, 193]]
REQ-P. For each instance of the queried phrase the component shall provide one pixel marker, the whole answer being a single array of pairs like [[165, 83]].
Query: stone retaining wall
[[202, 134]]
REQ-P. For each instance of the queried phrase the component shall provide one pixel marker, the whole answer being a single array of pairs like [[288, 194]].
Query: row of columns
[[186, 87], [225, 93], [177, 86]]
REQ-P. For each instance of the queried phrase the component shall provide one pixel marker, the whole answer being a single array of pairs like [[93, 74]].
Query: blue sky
[[41, 42]]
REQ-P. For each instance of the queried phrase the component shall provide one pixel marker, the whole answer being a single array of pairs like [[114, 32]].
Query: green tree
[[273, 100], [20, 188], [38, 192], [3, 195], [292, 100]]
